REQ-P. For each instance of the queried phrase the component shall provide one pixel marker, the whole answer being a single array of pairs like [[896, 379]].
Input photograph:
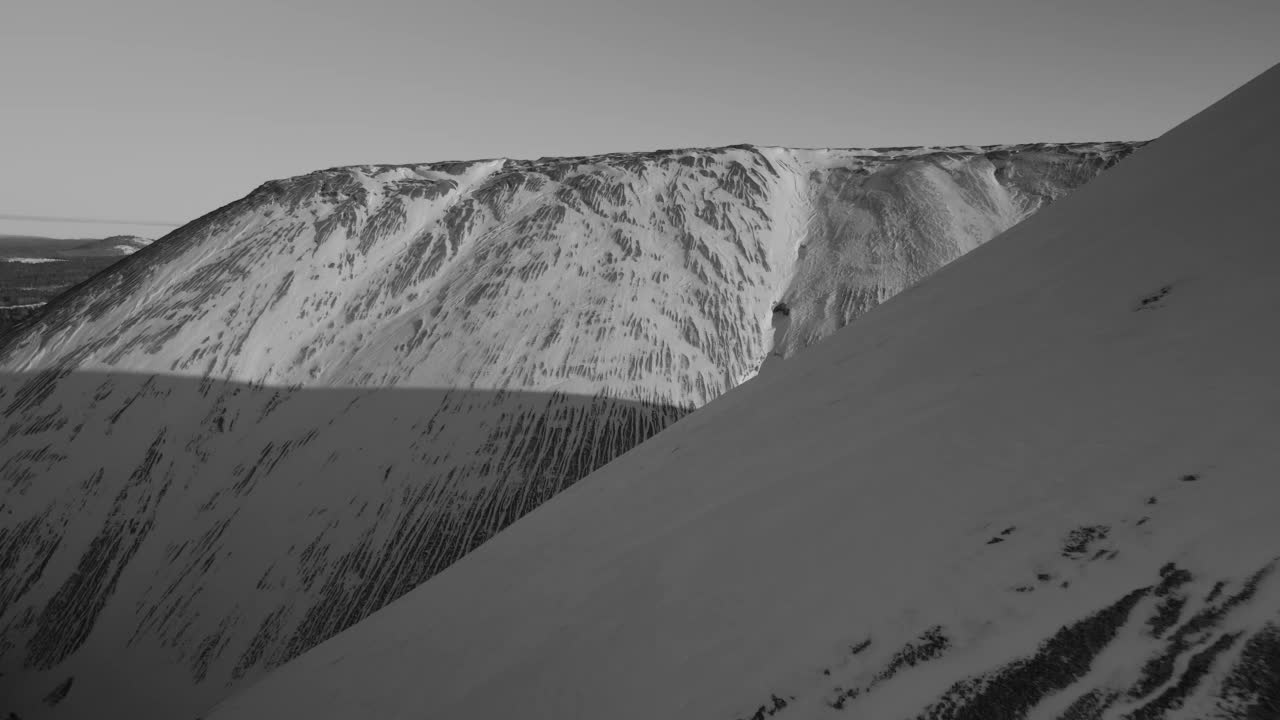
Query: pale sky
[[162, 111]]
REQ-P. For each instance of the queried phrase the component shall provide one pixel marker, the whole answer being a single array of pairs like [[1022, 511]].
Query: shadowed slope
[[385, 485], [1040, 484]]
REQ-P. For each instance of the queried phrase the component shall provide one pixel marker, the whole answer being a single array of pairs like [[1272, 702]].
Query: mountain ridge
[[342, 188]]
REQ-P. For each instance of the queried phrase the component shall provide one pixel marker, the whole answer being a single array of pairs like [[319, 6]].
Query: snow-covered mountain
[[1040, 484], [16, 248], [357, 275], [255, 432]]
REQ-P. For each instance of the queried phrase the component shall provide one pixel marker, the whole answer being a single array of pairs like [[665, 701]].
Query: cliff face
[[251, 434]]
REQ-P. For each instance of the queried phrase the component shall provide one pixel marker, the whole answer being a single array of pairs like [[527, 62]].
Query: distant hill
[[114, 246], [31, 246], [34, 270]]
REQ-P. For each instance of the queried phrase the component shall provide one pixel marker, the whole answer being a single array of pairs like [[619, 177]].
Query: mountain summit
[[253, 433], [1040, 484]]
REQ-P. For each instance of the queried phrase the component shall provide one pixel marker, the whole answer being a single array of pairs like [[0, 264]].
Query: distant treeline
[[26, 283], [26, 287]]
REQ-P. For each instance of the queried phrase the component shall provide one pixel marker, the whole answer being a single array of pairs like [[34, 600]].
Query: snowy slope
[[1042, 484], [260, 429]]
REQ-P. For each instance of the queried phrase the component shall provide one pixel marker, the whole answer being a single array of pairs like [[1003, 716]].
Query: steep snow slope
[[1041, 484], [255, 432]]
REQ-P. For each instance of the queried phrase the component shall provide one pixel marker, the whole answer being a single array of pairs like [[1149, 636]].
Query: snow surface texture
[[1040, 484], [252, 434]]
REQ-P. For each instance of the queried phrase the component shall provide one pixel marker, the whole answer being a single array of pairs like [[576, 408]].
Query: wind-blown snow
[[253, 433], [1040, 484]]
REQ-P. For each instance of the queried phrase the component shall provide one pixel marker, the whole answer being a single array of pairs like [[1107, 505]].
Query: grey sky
[[165, 110]]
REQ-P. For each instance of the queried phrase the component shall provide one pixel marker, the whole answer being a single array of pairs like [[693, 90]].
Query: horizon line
[[84, 220]]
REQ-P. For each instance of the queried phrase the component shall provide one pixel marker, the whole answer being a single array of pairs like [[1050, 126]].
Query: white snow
[[31, 260], [1111, 359]]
